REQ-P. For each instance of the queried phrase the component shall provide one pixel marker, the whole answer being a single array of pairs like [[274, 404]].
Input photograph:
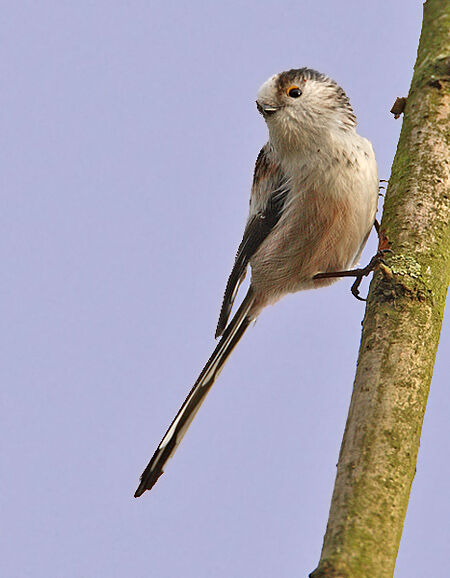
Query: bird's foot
[[384, 246], [358, 273]]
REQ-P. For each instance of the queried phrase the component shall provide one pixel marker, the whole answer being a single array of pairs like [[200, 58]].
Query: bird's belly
[[324, 233]]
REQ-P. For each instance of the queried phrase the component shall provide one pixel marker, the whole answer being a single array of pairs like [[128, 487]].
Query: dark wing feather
[[271, 185]]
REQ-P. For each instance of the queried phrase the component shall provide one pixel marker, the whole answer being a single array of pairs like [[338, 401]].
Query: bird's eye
[[294, 91]]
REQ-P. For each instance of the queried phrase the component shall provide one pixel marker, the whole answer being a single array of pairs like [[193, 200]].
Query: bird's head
[[301, 104]]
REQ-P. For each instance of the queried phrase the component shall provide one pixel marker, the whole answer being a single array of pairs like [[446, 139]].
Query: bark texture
[[400, 331]]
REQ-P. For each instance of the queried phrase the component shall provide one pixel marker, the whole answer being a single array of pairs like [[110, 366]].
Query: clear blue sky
[[129, 135]]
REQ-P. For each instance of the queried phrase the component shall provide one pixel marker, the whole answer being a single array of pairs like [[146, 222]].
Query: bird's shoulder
[[268, 177]]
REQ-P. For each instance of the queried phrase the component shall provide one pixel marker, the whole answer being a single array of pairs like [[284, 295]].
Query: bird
[[312, 206]]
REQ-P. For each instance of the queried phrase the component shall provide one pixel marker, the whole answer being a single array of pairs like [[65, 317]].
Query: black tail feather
[[191, 405]]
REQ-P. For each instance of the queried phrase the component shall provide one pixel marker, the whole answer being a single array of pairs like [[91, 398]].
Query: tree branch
[[400, 332]]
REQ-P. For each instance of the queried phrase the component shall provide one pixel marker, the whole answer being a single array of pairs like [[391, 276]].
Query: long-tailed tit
[[312, 206]]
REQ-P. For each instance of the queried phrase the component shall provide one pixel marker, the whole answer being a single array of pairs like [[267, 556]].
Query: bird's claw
[[360, 273]]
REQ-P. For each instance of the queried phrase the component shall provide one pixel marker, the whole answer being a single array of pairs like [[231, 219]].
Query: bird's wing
[[269, 192]]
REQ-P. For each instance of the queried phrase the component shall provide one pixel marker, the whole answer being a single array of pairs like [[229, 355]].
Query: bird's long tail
[[194, 400]]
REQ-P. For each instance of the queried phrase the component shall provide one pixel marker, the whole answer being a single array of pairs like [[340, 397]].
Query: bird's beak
[[266, 109]]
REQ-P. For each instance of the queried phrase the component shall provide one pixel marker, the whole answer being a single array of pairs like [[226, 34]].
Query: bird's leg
[[384, 246]]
